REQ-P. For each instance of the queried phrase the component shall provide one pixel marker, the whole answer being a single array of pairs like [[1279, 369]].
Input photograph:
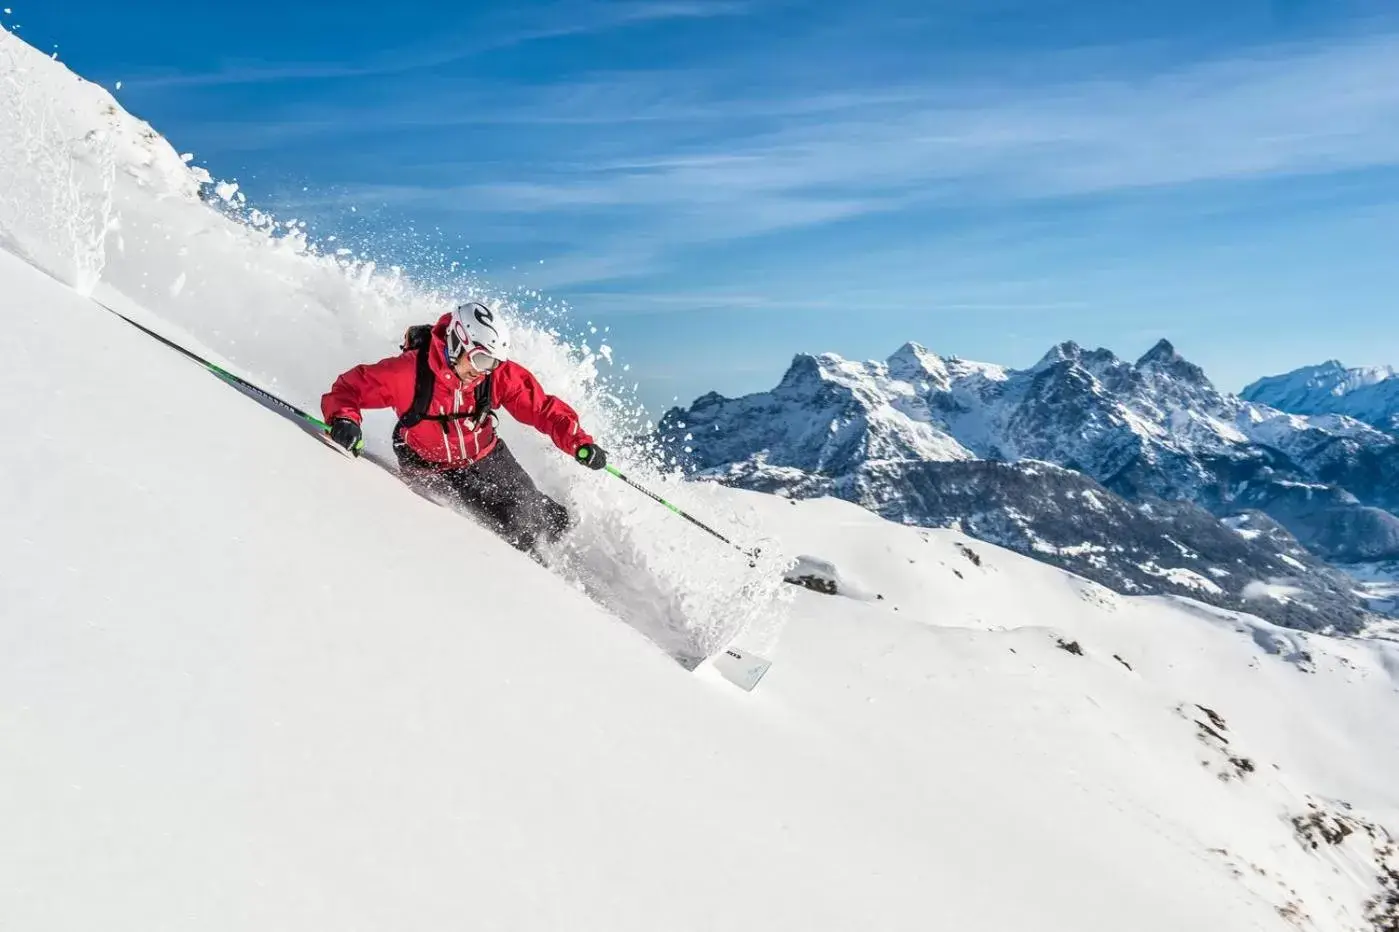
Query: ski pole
[[750, 554], [224, 374]]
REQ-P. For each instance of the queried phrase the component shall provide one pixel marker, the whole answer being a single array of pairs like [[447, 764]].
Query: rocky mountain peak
[[1068, 351], [1366, 393], [1163, 359], [1100, 362], [1164, 351], [915, 363], [804, 370]]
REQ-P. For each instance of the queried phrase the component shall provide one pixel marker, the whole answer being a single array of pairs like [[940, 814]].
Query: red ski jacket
[[389, 383]]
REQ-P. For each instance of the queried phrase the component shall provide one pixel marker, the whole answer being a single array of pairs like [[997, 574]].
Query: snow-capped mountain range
[[1150, 454], [1369, 394]]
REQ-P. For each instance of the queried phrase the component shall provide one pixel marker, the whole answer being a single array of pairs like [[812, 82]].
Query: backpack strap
[[423, 384], [481, 404]]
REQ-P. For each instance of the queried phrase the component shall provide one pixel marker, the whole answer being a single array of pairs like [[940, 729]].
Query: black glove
[[347, 434], [591, 456]]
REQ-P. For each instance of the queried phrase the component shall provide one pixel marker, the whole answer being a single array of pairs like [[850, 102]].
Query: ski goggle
[[480, 359]]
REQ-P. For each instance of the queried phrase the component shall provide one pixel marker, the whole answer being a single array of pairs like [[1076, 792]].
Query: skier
[[444, 387]]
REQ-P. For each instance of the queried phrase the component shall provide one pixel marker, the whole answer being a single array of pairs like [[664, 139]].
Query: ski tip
[[740, 667]]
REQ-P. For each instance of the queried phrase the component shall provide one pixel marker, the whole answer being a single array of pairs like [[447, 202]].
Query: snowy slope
[[248, 683], [225, 708], [1369, 393]]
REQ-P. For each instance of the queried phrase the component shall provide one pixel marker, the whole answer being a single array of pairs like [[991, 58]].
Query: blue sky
[[727, 182]]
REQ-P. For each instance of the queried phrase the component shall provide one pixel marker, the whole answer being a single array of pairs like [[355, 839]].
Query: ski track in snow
[[247, 683]]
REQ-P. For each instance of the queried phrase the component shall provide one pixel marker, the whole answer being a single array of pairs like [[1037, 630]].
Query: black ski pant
[[498, 492]]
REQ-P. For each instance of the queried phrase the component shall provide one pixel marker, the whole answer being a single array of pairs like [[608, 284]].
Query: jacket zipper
[[461, 438], [446, 446]]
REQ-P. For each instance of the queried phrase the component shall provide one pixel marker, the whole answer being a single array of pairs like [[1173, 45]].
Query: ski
[[740, 667]]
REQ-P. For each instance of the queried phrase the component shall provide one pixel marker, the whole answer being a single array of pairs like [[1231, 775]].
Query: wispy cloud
[[639, 303], [559, 20], [658, 104], [1280, 111], [784, 161]]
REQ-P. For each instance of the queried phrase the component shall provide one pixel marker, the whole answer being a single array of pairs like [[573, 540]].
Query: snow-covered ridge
[[1369, 394], [889, 434], [963, 408]]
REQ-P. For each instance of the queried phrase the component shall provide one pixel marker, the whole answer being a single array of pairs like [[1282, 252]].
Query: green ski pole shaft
[[227, 376], [750, 554]]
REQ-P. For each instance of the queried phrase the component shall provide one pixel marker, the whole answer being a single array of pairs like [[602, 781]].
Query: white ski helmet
[[474, 326]]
